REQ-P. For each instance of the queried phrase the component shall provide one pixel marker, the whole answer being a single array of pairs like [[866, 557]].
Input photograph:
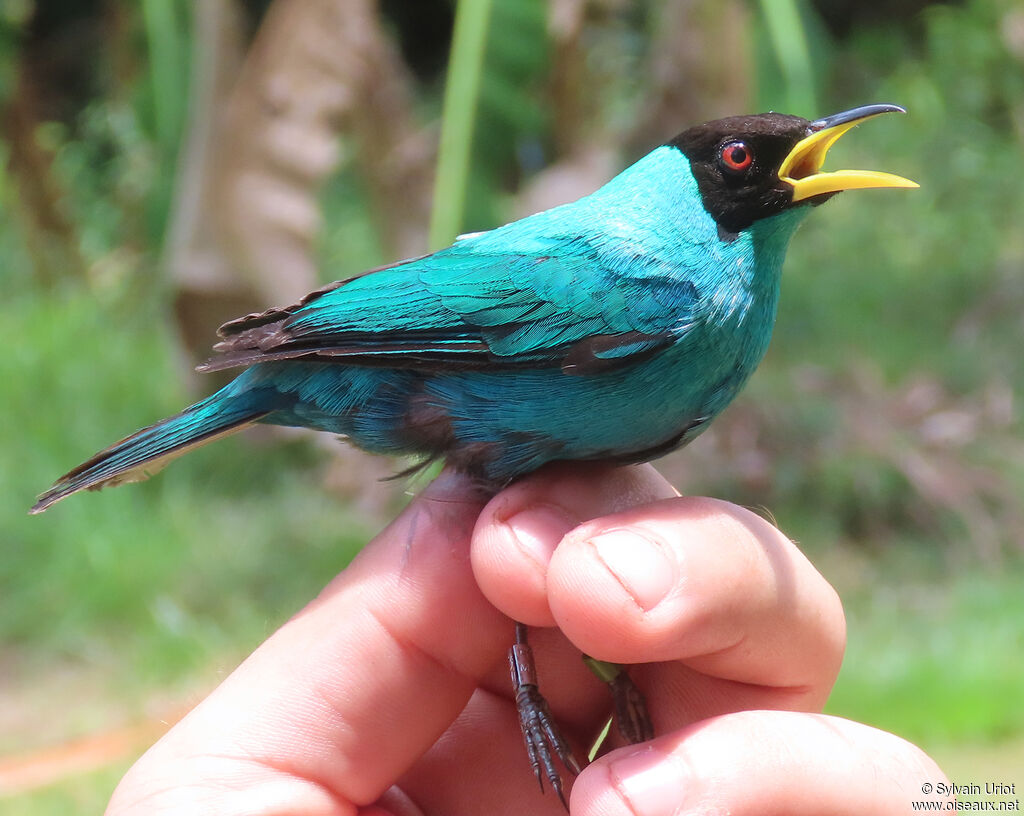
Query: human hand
[[389, 693]]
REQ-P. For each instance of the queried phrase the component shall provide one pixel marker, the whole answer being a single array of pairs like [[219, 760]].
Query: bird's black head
[[752, 167]]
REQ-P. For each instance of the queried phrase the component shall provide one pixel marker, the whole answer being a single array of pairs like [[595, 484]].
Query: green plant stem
[[789, 42], [166, 64], [461, 94]]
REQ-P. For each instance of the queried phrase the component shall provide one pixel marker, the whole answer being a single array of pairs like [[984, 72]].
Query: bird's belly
[[500, 424], [505, 424]]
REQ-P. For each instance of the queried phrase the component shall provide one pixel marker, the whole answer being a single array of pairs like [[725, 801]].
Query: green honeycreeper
[[612, 328]]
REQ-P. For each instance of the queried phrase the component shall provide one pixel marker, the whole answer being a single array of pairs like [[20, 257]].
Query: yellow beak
[[801, 169]]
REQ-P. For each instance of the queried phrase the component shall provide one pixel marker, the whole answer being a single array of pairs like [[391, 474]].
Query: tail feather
[[142, 454]]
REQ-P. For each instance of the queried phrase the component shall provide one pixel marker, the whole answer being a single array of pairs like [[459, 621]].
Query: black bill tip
[[853, 115]]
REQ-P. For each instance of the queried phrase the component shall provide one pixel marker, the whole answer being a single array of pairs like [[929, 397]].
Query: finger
[[761, 763], [700, 581], [519, 529], [345, 696], [734, 596]]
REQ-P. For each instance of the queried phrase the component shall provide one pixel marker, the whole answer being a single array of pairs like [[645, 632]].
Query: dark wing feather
[[554, 303]]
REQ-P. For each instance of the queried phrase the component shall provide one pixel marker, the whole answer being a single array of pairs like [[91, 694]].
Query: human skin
[[389, 693]]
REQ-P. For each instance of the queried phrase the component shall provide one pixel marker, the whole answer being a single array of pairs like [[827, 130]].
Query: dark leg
[[631, 717], [543, 739]]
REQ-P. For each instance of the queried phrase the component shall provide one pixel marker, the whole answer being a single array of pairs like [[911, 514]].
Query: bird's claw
[[631, 715], [543, 738]]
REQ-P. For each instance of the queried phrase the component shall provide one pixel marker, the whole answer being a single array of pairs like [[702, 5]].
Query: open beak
[[801, 169]]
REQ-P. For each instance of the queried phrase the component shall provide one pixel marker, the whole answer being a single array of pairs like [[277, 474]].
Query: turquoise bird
[[614, 328]]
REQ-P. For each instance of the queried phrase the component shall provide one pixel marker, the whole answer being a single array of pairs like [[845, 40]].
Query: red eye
[[736, 156]]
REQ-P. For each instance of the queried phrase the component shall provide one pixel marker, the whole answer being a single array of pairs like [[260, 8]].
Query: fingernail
[[640, 564], [538, 529], [651, 781]]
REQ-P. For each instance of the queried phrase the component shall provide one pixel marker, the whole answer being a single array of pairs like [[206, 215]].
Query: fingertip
[[510, 553], [638, 781], [519, 530], [616, 586], [762, 763], [642, 564], [690, 579]]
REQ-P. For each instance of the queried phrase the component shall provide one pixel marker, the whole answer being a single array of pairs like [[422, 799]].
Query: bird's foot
[[543, 738], [631, 710], [631, 717]]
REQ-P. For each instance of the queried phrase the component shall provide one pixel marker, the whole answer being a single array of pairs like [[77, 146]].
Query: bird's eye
[[736, 157]]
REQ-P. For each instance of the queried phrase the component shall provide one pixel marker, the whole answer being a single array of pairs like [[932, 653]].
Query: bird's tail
[[142, 454]]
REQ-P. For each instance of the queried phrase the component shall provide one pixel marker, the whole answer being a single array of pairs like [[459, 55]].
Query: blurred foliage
[[786, 32], [461, 102], [940, 684], [202, 529], [511, 114], [886, 417]]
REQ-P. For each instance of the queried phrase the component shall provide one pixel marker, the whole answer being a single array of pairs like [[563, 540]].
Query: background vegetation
[[167, 166]]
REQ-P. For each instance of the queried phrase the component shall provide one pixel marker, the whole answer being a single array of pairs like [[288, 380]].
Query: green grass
[[935, 654], [935, 651], [159, 579]]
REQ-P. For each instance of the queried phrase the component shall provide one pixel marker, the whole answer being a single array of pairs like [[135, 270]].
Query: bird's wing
[[545, 302]]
